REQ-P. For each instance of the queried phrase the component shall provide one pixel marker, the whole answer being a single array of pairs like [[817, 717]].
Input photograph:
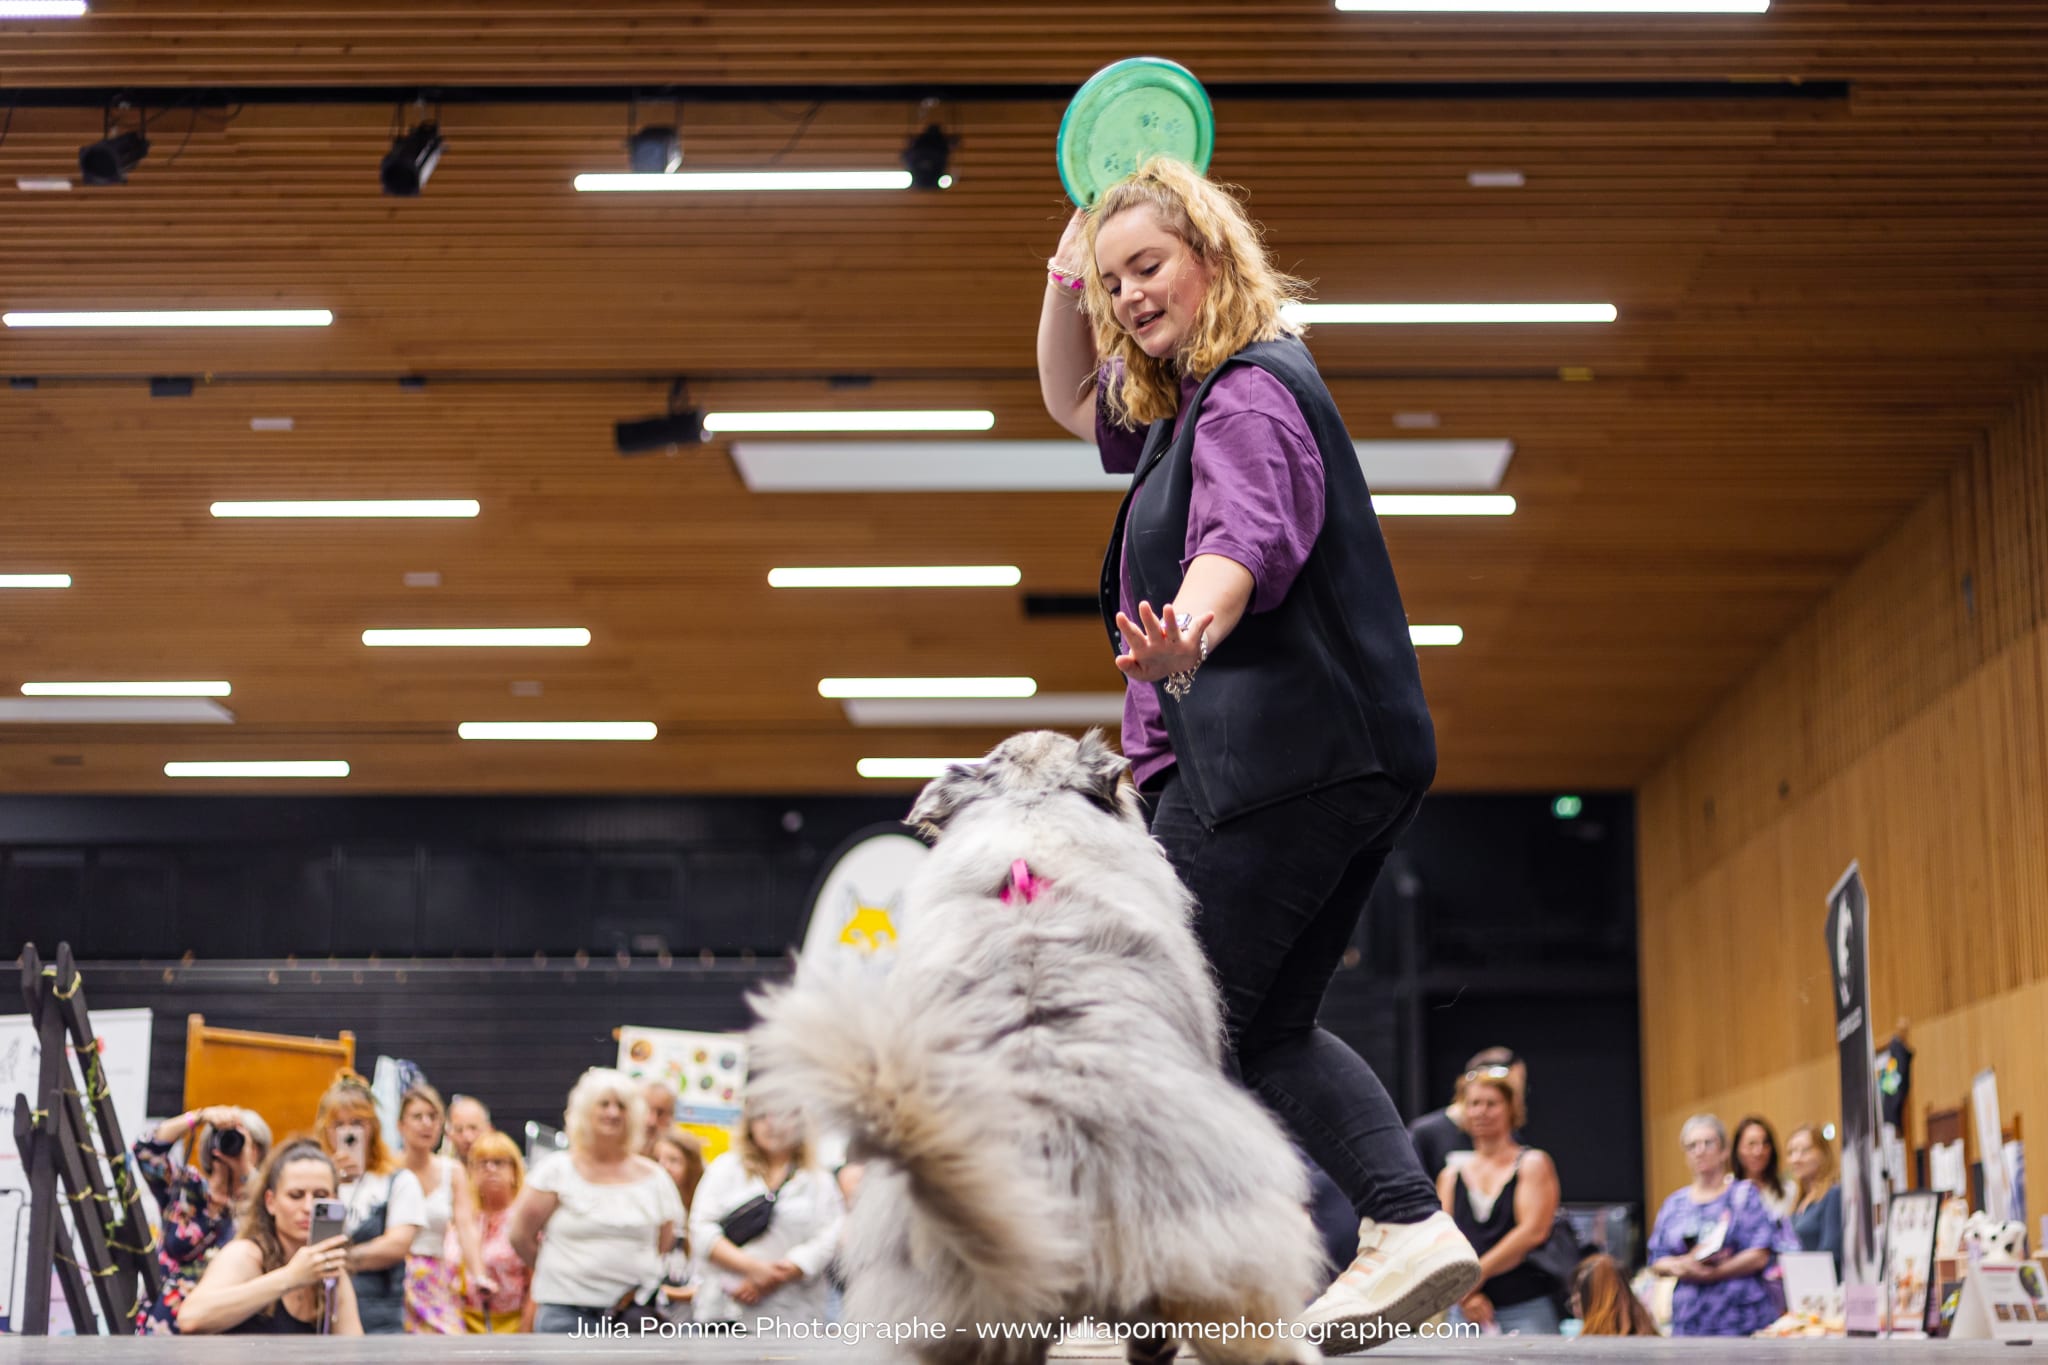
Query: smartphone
[[330, 1220]]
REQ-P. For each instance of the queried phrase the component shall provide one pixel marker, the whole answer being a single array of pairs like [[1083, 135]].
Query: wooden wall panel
[[1905, 725]]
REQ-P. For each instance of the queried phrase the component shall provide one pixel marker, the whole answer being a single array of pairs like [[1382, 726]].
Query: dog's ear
[[943, 797], [1106, 777]]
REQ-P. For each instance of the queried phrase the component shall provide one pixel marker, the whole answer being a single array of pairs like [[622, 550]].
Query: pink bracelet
[[1064, 280]]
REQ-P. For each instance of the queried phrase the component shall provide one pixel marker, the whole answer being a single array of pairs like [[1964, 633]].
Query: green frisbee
[[1129, 111]]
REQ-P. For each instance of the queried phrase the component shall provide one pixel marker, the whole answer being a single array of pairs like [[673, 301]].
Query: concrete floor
[[740, 1351]]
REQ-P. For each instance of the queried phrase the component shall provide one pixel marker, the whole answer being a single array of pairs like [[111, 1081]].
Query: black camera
[[230, 1141]]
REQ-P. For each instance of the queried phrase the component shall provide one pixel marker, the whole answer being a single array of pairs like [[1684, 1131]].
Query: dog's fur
[[1039, 1087]]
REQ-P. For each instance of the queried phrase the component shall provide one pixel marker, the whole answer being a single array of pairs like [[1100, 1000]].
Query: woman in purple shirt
[[1716, 1237], [1273, 713]]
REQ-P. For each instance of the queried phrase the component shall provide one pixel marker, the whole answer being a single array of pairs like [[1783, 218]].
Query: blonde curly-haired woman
[[1273, 711], [610, 1215]]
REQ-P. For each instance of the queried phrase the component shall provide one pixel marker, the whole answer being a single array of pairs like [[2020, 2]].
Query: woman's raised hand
[[1068, 253]]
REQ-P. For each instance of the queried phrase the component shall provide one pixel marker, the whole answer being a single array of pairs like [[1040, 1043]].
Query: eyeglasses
[[1491, 1073], [1702, 1144]]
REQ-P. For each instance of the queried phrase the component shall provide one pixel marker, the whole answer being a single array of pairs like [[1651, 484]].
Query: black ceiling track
[[1020, 92]]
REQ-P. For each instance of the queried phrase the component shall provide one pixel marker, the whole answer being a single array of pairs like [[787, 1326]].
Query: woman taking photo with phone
[[272, 1279], [385, 1206]]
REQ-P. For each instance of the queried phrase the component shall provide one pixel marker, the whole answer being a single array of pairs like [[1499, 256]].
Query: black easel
[[62, 1139]]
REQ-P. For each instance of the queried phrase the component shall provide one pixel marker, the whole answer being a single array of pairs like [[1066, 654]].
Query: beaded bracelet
[[1064, 278]]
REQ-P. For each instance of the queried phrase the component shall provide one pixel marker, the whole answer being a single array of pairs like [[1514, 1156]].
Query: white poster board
[[1991, 1144], [124, 1038], [708, 1070]]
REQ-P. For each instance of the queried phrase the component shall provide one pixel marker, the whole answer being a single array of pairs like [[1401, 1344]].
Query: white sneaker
[[1405, 1274]]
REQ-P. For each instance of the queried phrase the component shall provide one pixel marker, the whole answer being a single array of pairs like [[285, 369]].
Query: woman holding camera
[[196, 1201], [273, 1279], [386, 1208]]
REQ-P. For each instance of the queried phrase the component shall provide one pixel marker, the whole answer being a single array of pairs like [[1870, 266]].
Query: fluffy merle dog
[[1038, 1086]]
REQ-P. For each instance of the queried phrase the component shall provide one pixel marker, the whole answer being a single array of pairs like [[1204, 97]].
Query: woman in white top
[[433, 1282], [780, 1273], [595, 1221]]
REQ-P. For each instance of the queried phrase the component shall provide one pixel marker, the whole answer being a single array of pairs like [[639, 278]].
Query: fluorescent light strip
[[685, 181], [126, 689], [1436, 635], [556, 729], [927, 687], [1047, 708], [538, 637], [1424, 465], [939, 576], [416, 507], [113, 711], [248, 317], [41, 184], [1556, 6], [274, 768], [35, 580], [1385, 313], [41, 9], [932, 420], [1443, 505], [885, 768]]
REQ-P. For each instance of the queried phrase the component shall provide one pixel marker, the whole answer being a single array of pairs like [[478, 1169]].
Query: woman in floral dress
[[197, 1202]]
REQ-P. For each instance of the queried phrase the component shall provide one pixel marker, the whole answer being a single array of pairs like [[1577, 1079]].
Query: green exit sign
[[1567, 807]]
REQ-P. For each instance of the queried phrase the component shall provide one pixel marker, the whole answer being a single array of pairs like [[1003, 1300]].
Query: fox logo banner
[[857, 914]]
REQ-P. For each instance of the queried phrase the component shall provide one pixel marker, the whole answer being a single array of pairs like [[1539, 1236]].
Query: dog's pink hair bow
[[1023, 886]]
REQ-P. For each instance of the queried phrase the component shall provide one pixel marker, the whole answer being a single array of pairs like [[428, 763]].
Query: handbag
[[1558, 1257], [753, 1217]]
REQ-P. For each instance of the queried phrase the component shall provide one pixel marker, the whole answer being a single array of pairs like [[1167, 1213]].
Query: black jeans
[[1278, 893]]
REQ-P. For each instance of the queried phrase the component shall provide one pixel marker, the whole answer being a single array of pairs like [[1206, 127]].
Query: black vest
[[1322, 688]]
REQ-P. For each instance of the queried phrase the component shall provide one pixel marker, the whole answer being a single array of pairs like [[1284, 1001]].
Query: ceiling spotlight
[[654, 150], [108, 161], [681, 425], [924, 156], [411, 160]]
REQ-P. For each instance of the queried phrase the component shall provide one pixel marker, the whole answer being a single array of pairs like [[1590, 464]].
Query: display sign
[[1863, 1185]]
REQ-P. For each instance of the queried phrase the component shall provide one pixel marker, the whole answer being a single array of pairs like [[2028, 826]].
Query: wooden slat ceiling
[[1824, 303]]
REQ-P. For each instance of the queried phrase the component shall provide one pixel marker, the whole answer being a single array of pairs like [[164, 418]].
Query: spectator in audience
[[268, 1280], [1604, 1304], [609, 1214], [433, 1279], [497, 1173], [1441, 1132], [1817, 1208], [661, 1113], [1504, 1199], [682, 1156], [385, 1205], [1716, 1238], [1756, 1160], [780, 1272], [196, 1201], [468, 1120]]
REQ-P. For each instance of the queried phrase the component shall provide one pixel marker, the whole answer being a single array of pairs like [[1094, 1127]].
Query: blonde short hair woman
[[610, 1214]]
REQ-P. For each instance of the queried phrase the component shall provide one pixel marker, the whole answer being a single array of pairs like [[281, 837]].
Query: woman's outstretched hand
[[1155, 648]]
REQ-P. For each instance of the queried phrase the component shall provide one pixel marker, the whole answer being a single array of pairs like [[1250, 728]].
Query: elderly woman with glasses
[[1715, 1237]]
